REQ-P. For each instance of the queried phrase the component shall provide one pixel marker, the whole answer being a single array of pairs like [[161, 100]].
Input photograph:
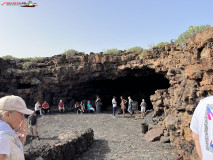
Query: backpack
[[32, 120]]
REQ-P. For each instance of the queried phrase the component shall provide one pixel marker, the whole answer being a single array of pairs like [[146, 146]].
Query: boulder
[[154, 134]]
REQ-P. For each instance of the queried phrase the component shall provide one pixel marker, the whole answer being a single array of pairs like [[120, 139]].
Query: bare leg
[[32, 132], [123, 113]]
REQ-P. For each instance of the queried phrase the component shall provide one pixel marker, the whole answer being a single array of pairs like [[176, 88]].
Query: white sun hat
[[14, 103]]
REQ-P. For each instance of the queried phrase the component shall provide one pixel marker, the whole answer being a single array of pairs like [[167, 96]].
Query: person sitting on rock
[[89, 106], [33, 122], [38, 108], [77, 108], [82, 106], [61, 106], [45, 107], [143, 108]]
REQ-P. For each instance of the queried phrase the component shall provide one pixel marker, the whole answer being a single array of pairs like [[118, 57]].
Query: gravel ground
[[116, 138]]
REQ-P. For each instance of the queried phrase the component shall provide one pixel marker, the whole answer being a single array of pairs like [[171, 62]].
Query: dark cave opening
[[139, 84], [24, 86]]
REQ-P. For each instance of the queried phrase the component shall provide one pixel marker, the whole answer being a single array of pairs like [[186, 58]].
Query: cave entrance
[[138, 83]]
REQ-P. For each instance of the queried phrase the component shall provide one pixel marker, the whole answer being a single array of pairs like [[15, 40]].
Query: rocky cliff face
[[170, 79]]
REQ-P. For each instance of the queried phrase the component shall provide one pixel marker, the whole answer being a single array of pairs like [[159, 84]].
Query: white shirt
[[114, 103], [9, 143], [202, 124], [37, 106], [9, 148], [5, 146]]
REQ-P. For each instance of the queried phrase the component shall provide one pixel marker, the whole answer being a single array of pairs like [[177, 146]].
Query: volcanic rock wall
[[189, 72]]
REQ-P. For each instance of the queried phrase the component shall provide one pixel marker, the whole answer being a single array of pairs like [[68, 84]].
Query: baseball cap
[[14, 103]]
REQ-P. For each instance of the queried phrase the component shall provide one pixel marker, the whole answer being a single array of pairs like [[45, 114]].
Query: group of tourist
[[45, 108], [80, 108], [13, 127], [130, 110], [41, 109]]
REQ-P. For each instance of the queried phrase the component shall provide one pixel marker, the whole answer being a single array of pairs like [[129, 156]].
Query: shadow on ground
[[97, 150]]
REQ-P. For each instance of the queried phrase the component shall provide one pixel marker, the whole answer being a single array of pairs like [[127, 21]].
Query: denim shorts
[[129, 108]]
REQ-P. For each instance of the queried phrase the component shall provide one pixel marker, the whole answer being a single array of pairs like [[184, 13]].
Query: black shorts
[[37, 112], [45, 110], [77, 109]]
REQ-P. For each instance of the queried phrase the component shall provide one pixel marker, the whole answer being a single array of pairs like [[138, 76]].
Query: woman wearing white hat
[[12, 111]]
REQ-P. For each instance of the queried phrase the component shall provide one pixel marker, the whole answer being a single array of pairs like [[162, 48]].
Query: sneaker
[[38, 138]]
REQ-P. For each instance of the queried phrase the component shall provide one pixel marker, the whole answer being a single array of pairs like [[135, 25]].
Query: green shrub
[[192, 31], [112, 51], [26, 65], [9, 57], [27, 59], [38, 59], [161, 44], [71, 52], [143, 52], [134, 49]]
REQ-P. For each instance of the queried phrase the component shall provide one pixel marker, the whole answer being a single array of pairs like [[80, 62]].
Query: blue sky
[[95, 25]]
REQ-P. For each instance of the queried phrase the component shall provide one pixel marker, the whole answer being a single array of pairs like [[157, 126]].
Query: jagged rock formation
[[170, 79]]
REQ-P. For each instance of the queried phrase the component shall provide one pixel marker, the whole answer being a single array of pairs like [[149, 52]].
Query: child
[[32, 122]]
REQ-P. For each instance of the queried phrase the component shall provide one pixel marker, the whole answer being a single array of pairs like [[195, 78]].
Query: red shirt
[[61, 104], [45, 106]]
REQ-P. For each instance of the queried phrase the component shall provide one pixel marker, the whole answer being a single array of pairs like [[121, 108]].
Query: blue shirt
[[88, 105]]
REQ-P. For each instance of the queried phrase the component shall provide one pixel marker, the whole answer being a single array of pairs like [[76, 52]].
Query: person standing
[[61, 106], [130, 105], [202, 128], [33, 123], [143, 108], [98, 105], [38, 108], [123, 107], [12, 111], [114, 105]]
